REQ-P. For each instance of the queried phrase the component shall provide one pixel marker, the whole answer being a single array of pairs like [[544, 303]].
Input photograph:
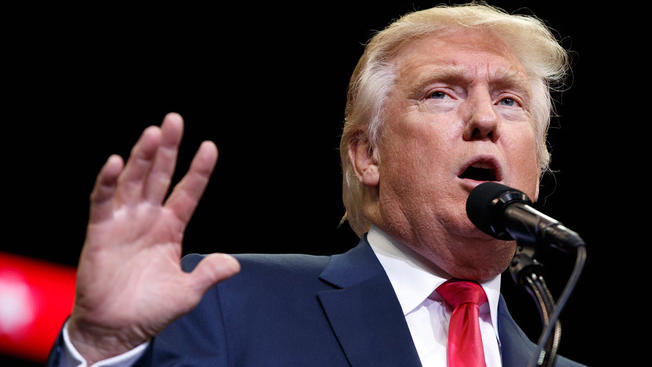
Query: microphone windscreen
[[485, 206]]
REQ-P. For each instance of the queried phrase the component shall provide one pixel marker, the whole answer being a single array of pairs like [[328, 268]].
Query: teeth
[[485, 165]]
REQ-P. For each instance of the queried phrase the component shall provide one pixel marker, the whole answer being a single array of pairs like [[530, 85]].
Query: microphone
[[506, 213]]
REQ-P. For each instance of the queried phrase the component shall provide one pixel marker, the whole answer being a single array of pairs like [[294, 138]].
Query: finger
[[104, 190], [132, 178], [158, 180], [186, 194], [211, 270]]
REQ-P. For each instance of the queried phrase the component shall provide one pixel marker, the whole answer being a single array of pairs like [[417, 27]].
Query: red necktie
[[464, 339]]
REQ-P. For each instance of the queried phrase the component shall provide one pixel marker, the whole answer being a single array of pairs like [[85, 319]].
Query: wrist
[[96, 343]]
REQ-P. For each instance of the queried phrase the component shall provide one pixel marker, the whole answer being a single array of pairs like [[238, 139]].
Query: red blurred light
[[35, 298]]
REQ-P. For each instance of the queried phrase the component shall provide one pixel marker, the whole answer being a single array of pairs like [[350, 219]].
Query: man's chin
[[482, 258]]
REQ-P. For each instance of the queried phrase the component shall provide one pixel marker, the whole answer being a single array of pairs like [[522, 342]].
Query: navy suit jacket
[[302, 310]]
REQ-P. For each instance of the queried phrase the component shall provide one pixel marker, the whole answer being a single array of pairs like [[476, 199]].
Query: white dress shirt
[[426, 313], [414, 283]]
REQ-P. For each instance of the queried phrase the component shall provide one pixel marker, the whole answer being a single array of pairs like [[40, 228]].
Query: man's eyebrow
[[510, 78], [446, 74]]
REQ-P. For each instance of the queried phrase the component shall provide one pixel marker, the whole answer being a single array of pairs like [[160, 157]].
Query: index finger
[[188, 191]]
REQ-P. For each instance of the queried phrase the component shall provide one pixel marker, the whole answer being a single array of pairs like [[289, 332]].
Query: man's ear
[[362, 157]]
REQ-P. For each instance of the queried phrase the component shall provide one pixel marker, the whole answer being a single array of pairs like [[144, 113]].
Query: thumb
[[211, 270]]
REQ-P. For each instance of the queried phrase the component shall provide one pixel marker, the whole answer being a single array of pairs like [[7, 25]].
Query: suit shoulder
[[290, 263], [293, 263]]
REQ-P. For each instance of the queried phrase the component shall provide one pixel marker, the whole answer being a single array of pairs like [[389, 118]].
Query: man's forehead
[[469, 72], [460, 55], [461, 39]]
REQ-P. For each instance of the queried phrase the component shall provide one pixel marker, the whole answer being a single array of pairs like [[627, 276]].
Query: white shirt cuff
[[71, 357]]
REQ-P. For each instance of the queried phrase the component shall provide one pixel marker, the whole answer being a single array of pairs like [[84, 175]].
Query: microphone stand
[[526, 271]]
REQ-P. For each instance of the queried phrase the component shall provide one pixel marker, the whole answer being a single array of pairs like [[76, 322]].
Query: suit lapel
[[364, 313], [516, 348]]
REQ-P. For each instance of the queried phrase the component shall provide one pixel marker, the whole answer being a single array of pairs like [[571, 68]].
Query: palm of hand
[[130, 284]]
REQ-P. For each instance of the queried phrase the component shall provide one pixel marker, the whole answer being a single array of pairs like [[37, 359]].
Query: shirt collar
[[413, 277]]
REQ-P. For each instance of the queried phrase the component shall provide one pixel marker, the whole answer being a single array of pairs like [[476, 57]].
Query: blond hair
[[544, 59]]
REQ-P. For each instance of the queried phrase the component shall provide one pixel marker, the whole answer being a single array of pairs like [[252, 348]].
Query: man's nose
[[481, 117]]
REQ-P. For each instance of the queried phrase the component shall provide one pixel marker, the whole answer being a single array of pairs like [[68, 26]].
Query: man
[[440, 101]]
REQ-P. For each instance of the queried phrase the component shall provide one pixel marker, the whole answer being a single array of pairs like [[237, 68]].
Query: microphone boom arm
[[526, 271]]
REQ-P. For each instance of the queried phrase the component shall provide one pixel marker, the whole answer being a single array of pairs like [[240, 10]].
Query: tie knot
[[458, 292]]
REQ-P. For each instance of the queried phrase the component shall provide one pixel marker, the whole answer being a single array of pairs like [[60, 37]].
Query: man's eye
[[438, 95], [507, 102]]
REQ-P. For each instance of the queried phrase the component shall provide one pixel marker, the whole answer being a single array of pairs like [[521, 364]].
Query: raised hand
[[129, 281]]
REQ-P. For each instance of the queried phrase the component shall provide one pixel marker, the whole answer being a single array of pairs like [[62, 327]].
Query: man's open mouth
[[483, 170]]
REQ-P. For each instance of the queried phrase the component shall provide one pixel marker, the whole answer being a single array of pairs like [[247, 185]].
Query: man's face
[[459, 114]]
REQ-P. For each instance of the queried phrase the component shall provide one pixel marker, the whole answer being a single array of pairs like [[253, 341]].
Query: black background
[[267, 83]]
